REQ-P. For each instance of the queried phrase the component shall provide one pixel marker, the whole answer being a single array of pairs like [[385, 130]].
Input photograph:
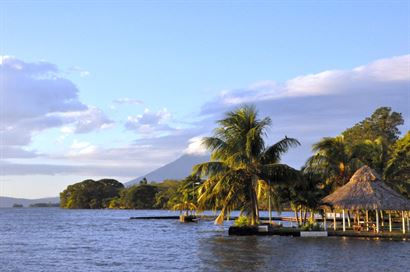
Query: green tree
[[375, 154], [334, 160], [90, 194], [373, 142], [240, 161], [143, 181], [382, 123], [166, 191], [397, 172], [185, 197], [306, 194], [139, 196]]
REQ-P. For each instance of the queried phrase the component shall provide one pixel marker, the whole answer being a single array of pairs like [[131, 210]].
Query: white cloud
[[78, 148], [67, 129], [195, 146], [86, 121], [129, 101], [34, 97], [82, 72], [374, 75], [150, 122]]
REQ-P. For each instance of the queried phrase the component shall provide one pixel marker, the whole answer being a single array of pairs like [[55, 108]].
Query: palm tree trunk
[[304, 220], [297, 217], [254, 202]]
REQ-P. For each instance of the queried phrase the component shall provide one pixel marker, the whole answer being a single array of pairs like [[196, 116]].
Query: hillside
[[177, 169]]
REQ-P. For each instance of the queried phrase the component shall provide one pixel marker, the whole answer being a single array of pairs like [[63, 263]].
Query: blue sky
[[118, 88]]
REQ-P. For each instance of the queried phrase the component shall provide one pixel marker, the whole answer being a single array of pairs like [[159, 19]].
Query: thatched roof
[[366, 190]]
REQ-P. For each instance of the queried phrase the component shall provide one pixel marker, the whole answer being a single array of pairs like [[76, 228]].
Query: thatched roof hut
[[366, 190]]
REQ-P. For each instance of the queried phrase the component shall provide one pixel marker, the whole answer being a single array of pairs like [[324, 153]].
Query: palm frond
[[274, 152]]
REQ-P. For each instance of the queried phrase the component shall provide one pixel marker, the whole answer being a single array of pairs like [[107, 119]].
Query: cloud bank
[[379, 76], [35, 98], [306, 107]]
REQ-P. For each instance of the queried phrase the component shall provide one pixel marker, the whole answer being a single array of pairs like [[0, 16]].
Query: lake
[[53, 239]]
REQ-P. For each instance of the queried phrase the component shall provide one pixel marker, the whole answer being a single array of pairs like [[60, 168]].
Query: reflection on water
[[106, 240], [233, 253], [274, 253]]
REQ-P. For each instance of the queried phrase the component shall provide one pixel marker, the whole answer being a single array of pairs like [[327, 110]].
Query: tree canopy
[[90, 194], [374, 142], [382, 123]]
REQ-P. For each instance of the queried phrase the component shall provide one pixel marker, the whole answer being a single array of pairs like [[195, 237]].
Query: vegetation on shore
[[107, 193], [246, 174], [90, 194]]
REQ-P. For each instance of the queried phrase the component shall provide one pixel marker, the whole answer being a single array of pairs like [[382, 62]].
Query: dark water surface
[[53, 239]]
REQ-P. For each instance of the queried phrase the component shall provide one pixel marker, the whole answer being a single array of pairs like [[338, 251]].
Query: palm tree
[[185, 198], [335, 160], [185, 206], [239, 161], [306, 195]]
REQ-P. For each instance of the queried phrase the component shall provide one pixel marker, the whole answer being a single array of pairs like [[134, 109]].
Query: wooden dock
[[176, 217], [210, 218], [397, 235], [286, 231]]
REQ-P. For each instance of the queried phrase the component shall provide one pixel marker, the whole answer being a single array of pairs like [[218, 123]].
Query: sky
[[94, 89]]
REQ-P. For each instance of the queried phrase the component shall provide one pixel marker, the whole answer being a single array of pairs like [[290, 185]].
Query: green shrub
[[242, 221], [311, 227]]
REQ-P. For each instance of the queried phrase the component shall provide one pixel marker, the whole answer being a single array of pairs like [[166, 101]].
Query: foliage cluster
[[311, 226], [169, 194], [245, 174], [90, 194], [242, 221]]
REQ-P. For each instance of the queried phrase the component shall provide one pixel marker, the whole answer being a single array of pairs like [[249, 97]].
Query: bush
[[241, 221], [311, 227]]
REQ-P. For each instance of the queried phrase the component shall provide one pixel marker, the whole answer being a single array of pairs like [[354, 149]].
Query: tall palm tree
[[335, 160], [375, 154], [239, 161]]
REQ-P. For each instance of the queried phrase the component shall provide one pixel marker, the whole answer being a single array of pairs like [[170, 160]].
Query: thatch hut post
[[404, 223], [367, 220], [344, 223], [377, 221], [408, 222], [334, 220], [390, 228]]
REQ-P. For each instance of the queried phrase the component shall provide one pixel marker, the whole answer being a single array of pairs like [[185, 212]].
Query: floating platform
[[296, 233], [176, 217]]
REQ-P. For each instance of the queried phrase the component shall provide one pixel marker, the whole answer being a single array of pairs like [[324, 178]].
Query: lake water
[[53, 239]]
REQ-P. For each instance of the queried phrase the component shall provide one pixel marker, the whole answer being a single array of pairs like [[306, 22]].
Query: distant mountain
[[177, 169], [7, 202]]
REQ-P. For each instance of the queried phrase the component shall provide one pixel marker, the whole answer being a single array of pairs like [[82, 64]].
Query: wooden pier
[[210, 218], [242, 231]]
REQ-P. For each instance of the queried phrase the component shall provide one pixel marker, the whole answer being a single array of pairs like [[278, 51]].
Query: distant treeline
[[37, 205], [44, 205]]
